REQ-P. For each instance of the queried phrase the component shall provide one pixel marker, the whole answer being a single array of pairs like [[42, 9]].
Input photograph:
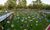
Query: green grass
[[27, 21]]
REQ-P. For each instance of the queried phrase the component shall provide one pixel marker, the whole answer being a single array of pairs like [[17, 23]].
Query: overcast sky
[[46, 1], [2, 1], [28, 1]]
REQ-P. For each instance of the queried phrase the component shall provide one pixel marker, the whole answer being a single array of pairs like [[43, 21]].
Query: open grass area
[[27, 20]]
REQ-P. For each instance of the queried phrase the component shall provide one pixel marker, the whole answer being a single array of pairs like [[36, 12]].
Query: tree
[[1, 7], [37, 4], [11, 4], [22, 3]]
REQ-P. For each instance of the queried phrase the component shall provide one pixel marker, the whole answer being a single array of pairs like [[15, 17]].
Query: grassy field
[[27, 20]]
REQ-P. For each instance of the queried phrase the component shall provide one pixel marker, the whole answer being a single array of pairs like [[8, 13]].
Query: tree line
[[11, 4]]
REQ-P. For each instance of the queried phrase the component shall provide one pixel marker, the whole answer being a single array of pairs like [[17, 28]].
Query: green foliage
[[11, 4], [27, 21], [47, 7], [48, 16], [22, 4], [1, 7], [40, 6]]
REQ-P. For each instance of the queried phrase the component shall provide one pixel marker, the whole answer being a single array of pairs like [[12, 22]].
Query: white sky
[[3, 1], [46, 1], [28, 1]]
